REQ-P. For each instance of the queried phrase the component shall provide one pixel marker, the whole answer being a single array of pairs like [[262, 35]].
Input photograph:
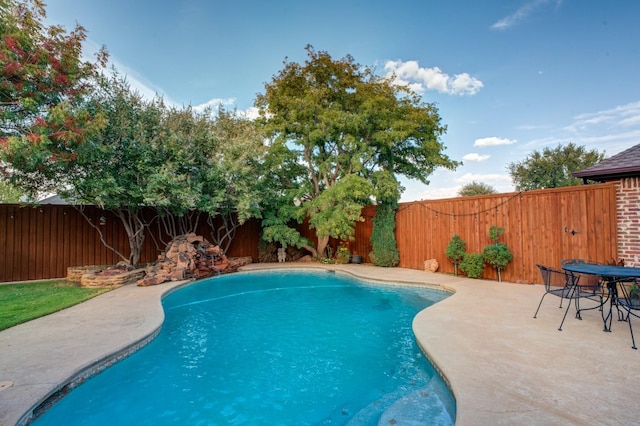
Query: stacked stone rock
[[189, 256]]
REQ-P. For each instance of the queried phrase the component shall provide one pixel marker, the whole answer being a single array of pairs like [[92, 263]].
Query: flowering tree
[[42, 79]]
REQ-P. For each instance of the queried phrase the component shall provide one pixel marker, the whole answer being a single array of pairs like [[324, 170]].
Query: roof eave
[[608, 174]]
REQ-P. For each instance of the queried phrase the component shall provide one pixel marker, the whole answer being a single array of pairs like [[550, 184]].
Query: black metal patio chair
[[628, 299], [589, 286], [567, 286]]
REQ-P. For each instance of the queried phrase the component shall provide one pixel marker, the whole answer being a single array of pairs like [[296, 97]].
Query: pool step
[[420, 407]]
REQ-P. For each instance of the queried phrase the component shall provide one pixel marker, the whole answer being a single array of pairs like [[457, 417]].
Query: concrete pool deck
[[503, 366]]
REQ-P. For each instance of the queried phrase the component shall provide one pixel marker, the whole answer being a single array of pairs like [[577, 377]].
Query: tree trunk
[[311, 250], [323, 242], [135, 226]]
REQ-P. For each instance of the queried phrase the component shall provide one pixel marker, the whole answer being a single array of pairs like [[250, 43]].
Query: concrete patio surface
[[503, 366]]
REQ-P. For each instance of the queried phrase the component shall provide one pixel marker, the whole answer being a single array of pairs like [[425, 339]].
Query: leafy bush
[[472, 264]]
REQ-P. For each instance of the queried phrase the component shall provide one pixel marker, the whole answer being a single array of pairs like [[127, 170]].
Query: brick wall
[[628, 203]]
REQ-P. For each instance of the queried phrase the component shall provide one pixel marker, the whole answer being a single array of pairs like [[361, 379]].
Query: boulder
[[431, 265]]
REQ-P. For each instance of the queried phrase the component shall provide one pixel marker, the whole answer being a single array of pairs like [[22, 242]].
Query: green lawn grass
[[23, 302]]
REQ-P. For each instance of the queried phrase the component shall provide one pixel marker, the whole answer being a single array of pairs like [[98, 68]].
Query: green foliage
[[9, 194], [495, 232], [346, 126], [24, 302], [634, 291], [282, 234], [476, 188], [386, 187], [335, 210], [237, 158], [343, 254], [455, 251], [552, 168], [472, 264], [383, 238]]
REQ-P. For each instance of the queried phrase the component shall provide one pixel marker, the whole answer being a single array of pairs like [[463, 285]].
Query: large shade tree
[[552, 167], [352, 132]]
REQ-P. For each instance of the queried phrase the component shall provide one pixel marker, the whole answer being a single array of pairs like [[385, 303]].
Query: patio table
[[611, 274]]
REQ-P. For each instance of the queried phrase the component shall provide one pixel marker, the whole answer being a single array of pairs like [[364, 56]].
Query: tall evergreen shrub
[[383, 238]]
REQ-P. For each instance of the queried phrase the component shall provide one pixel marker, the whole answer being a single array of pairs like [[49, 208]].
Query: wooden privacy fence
[[543, 226], [42, 241]]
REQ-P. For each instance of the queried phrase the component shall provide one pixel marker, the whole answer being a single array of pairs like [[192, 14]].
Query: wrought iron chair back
[[568, 286]]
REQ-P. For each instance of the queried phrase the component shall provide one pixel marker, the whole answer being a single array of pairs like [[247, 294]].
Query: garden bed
[[111, 278]]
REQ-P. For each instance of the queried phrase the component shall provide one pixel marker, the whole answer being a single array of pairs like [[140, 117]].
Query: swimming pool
[[273, 348]]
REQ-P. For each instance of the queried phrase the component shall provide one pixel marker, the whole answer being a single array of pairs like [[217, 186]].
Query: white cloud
[[501, 183], [611, 130], [493, 141], [418, 78], [435, 194], [522, 13], [214, 104], [488, 177], [447, 184], [623, 115], [631, 121], [475, 157], [251, 113]]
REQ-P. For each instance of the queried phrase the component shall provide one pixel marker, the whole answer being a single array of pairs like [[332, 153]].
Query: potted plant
[[343, 254], [455, 251], [472, 264], [497, 254], [634, 291]]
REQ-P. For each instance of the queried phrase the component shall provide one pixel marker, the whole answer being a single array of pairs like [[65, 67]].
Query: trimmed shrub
[[472, 264], [455, 251], [383, 239]]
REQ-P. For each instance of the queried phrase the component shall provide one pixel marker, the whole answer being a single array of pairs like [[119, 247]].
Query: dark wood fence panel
[[543, 226], [41, 242]]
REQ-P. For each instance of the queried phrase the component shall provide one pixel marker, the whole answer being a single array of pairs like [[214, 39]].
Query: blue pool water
[[273, 348]]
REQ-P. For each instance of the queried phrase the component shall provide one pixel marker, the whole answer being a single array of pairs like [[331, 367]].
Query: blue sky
[[508, 76]]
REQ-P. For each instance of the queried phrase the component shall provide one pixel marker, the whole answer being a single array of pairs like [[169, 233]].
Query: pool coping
[[502, 366]]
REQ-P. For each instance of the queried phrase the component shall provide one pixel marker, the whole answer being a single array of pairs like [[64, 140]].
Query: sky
[[508, 77]]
